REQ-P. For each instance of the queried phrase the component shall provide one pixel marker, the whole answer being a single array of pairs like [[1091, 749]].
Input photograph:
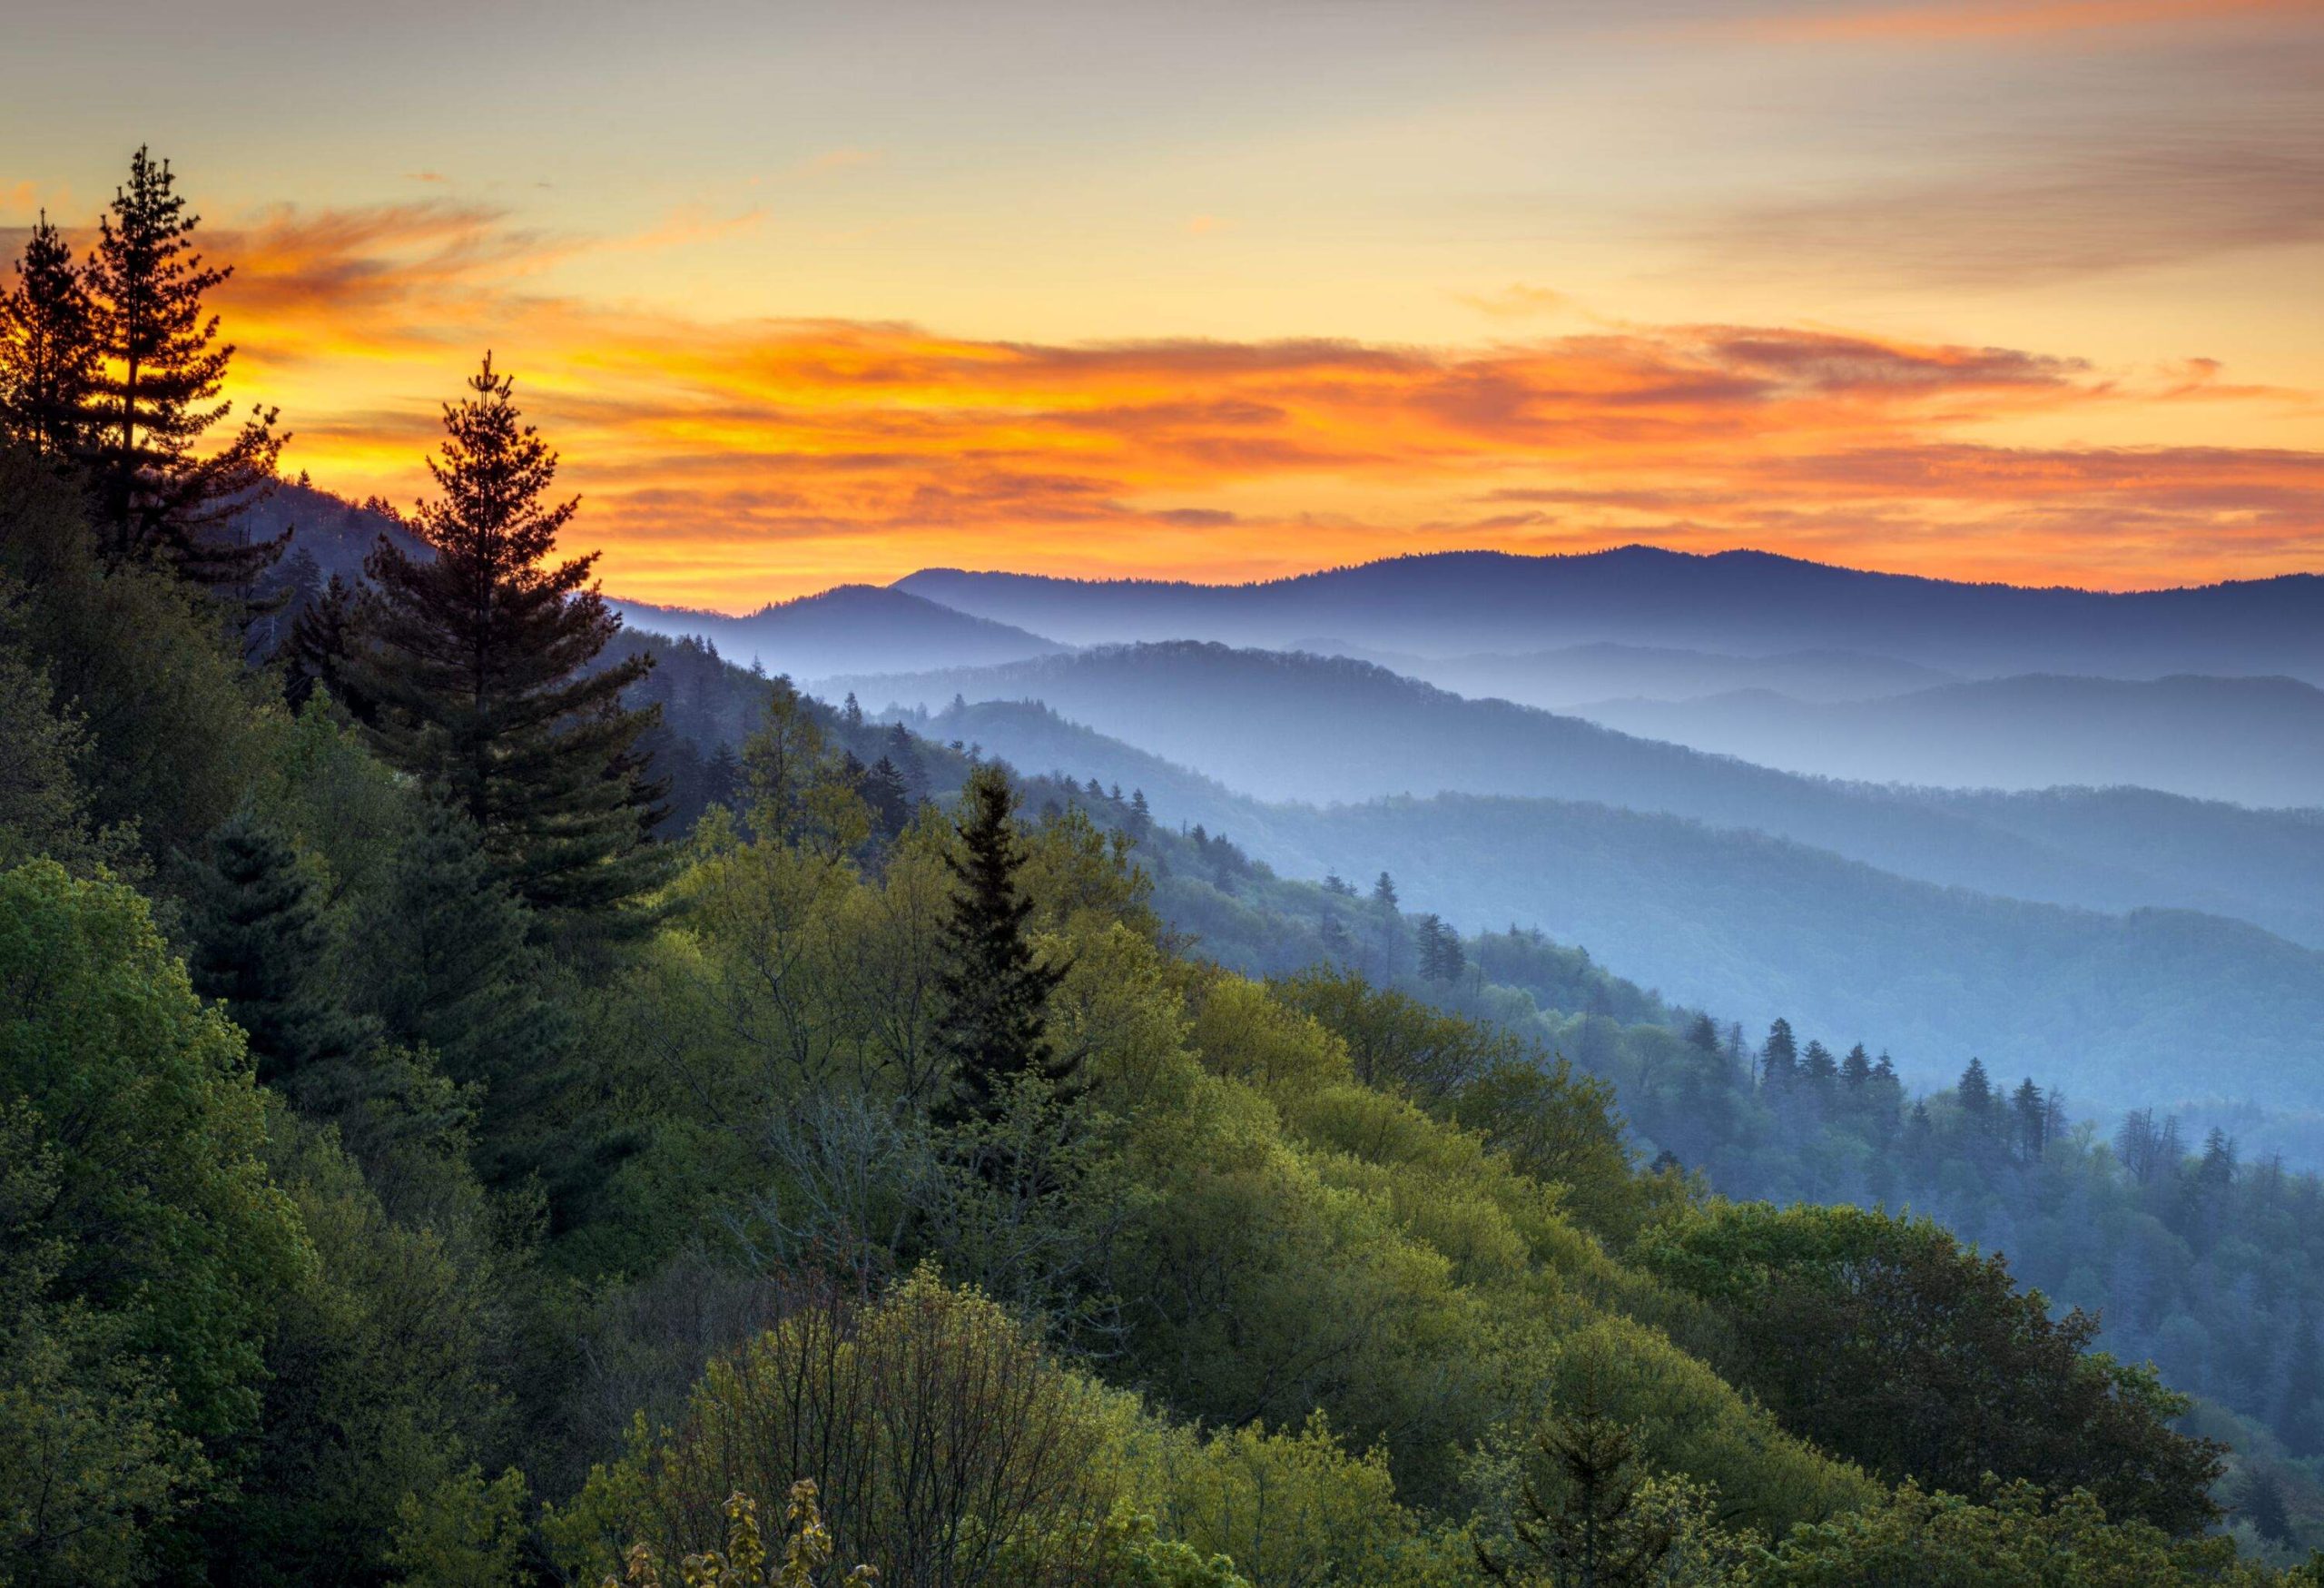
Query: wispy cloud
[[1517, 301], [1991, 20]]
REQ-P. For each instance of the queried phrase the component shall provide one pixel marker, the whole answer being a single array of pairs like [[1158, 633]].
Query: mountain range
[[2257, 741], [2140, 1006], [845, 629], [1747, 603]]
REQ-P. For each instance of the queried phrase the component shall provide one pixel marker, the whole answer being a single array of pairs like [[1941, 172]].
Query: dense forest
[[486, 1099]]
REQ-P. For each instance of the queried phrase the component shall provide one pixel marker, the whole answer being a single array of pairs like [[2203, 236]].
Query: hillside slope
[[2135, 1008]]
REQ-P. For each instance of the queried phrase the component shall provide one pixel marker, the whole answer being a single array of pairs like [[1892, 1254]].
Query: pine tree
[[445, 961], [1779, 1059], [1976, 1093], [48, 350], [478, 660], [901, 751], [722, 777], [2031, 1119], [995, 994], [261, 947], [315, 656], [1856, 1069], [1384, 891], [884, 792], [156, 395]]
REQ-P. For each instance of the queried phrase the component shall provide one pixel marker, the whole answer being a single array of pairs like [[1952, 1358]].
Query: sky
[[2013, 289]]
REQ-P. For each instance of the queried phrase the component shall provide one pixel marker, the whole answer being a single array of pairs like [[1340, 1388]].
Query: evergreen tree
[[891, 804], [906, 756], [1856, 1069], [1976, 1093], [722, 777], [995, 994], [2030, 1114], [1583, 1520], [478, 658], [1702, 1034], [48, 349], [1779, 1059], [1384, 891], [1141, 818], [316, 652], [444, 962], [261, 947], [156, 396]]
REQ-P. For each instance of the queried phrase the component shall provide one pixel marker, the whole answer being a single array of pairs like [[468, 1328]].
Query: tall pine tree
[[48, 350], [994, 1026], [476, 662], [157, 395]]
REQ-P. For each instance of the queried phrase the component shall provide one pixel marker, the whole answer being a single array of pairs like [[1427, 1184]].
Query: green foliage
[[2013, 1537], [465, 1532], [262, 948], [1884, 1340], [162, 1210], [172, 720]]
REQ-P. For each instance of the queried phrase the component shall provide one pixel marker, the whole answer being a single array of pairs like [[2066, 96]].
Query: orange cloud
[[726, 464]]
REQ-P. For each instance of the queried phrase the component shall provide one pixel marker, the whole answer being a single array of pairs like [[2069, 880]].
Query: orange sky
[[2020, 297]]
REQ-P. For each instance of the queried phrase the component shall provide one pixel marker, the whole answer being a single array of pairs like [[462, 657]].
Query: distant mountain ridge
[[2257, 741], [846, 628], [1285, 726], [1748, 603], [1562, 679]]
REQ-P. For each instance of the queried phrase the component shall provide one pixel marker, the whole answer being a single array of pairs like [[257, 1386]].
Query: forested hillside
[[2148, 1006], [426, 1157]]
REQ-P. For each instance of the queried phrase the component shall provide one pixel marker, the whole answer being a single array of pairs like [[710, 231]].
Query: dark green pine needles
[[994, 1028], [478, 667]]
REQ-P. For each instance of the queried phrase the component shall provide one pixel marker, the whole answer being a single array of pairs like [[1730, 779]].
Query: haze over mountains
[[846, 628], [1456, 604], [1573, 676], [2144, 1006], [2257, 741]]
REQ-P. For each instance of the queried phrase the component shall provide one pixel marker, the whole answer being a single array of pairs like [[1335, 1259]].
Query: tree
[[444, 961], [995, 994], [478, 658], [1384, 891], [322, 634], [1887, 1342], [1593, 1515], [140, 1217], [262, 949], [155, 494], [48, 349], [1779, 1059]]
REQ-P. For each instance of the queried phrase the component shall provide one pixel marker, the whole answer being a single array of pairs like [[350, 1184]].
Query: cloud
[[1203, 225], [1517, 301], [1965, 21], [730, 462], [427, 176], [2059, 208], [835, 159]]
